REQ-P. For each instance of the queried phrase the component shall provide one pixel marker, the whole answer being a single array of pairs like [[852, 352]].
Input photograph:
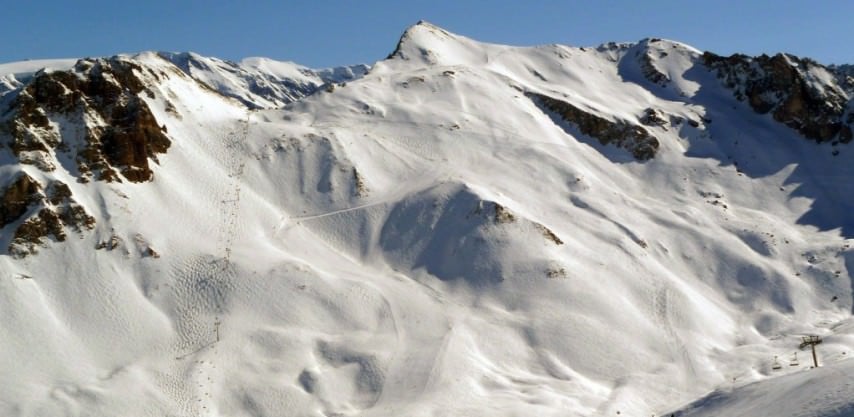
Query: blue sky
[[328, 33]]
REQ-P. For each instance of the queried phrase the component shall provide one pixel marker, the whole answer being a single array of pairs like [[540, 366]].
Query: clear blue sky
[[327, 33]]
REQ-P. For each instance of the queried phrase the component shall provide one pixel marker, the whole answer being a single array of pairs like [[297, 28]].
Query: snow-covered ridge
[[257, 82], [261, 82], [429, 237], [14, 74]]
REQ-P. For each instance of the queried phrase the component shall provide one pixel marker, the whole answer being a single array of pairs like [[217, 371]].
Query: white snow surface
[[341, 254], [13, 74], [823, 392], [260, 82]]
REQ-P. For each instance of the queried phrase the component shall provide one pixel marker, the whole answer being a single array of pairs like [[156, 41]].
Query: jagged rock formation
[[845, 76], [628, 136], [42, 215], [100, 96], [796, 91]]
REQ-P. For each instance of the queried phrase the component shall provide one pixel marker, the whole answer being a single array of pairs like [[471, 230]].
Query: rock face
[[845, 77], [652, 117], [648, 69], [798, 92], [120, 133], [17, 198], [42, 215], [623, 134]]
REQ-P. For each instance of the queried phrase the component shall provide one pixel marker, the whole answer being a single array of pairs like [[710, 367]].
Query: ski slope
[[428, 240]]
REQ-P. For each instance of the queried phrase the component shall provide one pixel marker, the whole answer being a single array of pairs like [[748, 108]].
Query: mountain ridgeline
[[116, 137], [547, 230]]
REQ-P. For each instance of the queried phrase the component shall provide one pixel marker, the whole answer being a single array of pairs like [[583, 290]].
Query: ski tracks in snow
[[202, 284], [662, 313]]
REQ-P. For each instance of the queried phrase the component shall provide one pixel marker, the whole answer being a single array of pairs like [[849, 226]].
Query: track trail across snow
[[202, 283]]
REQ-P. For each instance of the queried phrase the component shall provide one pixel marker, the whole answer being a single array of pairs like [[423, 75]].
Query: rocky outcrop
[[17, 198], [631, 137], [797, 92], [653, 117], [114, 130], [647, 65], [500, 215], [43, 213], [844, 77]]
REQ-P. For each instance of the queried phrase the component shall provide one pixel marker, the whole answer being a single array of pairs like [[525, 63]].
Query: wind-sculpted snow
[[424, 238], [261, 82]]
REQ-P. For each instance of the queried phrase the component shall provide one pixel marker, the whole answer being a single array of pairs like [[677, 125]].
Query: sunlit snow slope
[[464, 229]]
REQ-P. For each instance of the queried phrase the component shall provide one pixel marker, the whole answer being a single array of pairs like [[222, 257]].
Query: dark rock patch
[[782, 85], [361, 190], [17, 198], [652, 117], [56, 211], [548, 234], [502, 214], [649, 71], [631, 137], [119, 132]]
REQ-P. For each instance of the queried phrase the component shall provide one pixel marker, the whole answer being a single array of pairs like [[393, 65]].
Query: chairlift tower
[[811, 341]]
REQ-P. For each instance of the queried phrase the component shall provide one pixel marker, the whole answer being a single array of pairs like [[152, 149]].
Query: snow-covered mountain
[[462, 228]]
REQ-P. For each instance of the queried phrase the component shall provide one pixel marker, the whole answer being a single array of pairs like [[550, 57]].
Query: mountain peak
[[428, 43], [468, 215]]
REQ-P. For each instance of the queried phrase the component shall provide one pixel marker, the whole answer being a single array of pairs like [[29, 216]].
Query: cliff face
[[629, 136], [114, 136], [93, 121], [798, 92], [41, 213]]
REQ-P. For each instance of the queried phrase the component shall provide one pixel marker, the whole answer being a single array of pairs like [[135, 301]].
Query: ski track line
[[204, 281]]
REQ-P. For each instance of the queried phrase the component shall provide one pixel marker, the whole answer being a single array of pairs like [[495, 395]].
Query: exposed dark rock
[[120, 134], [361, 189], [133, 138], [786, 87], [495, 212], [17, 198], [844, 76], [652, 117], [70, 213], [556, 273], [499, 215], [57, 210], [631, 137], [58, 193], [33, 231], [502, 214], [548, 234], [149, 252], [649, 71], [112, 243]]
